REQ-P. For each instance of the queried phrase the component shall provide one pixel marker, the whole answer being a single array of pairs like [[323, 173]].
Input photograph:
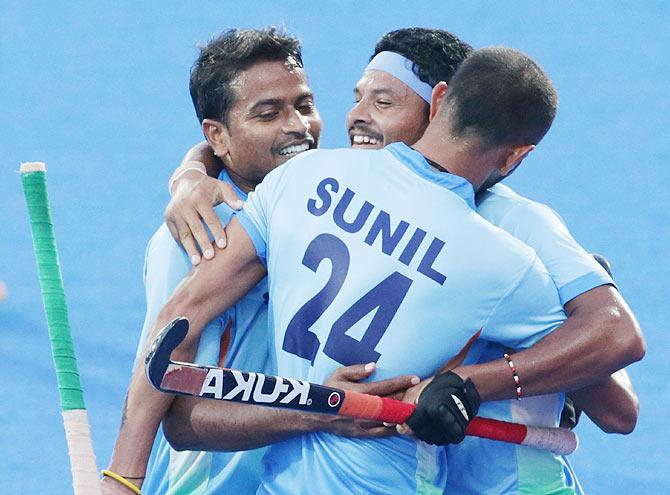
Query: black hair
[[500, 96], [436, 54], [223, 58]]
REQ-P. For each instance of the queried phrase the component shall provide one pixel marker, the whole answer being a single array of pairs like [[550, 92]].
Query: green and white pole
[[77, 430]]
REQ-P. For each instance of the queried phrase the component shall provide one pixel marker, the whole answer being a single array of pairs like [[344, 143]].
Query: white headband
[[401, 68]]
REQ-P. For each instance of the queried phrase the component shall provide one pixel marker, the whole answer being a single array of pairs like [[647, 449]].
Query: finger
[[185, 238], [172, 227], [226, 194], [411, 395], [451, 430], [354, 372], [396, 396], [431, 431], [199, 233], [214, 225], [419, 390], [389, 385], [403, 429], [368, 423], [453, 425], [380, 432], [418, 418]]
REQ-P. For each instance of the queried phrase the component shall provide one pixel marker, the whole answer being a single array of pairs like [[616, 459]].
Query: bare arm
[[206, 292], [599, 337], [201, 424], [611, 404], [194, 196]]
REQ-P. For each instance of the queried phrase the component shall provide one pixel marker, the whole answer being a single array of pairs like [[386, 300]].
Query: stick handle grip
[[558, 440]]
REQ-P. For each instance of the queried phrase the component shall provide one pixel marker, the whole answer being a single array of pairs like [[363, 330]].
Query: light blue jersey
[[244, 329], [375, 256], [479, 466]]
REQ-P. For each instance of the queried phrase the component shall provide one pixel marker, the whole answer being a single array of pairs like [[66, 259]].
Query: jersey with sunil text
[[376, 256]]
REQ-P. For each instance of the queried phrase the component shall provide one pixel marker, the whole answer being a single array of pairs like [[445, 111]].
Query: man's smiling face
[[385, 111], [273, 118]]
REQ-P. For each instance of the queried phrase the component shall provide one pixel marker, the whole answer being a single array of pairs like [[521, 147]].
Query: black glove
[[570, 414], [445, 408]]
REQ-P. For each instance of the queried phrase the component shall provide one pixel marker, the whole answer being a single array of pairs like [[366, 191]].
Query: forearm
[[599, 337], [145, 407], [611, 404], [140, 420], [204, 154], [201, 424], [197, 424], [205, 293]]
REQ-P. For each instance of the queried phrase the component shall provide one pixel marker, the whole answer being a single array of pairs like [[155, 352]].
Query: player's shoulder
[[504, 207], [312, 163], [336, 155]]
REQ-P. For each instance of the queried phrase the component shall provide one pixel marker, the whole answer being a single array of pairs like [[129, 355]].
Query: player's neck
[[455, 156], [245, 185]]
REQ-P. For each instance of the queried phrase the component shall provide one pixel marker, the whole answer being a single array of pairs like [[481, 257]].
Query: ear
[[514, 158], [436, 98], [217, 136]]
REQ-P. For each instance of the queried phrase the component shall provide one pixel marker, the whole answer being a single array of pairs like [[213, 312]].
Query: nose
[[296, 123], [359, 114]]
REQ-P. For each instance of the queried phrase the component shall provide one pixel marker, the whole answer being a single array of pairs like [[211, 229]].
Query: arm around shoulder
[[605, 316], [600, 337], [612, 404]]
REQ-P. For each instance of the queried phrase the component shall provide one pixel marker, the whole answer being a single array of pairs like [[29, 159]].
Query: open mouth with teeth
[[295, 149], [364, 140]]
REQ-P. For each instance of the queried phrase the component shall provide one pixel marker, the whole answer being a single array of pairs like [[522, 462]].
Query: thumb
[[226, 194]]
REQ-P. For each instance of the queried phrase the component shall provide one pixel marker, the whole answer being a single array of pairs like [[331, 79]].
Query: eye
[[270, 115], [383, 103], [306, 108]]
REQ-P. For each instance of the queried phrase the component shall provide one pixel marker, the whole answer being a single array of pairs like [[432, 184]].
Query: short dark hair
[[436, 53], [224, 57], [500, 96]]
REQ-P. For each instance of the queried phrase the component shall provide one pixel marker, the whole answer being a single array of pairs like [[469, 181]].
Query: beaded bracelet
[[517, 382]]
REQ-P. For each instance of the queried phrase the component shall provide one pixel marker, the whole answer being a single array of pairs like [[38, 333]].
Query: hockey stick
[[256, 388], [77, 431]]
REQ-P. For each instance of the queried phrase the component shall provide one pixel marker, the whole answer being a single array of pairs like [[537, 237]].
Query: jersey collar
[[223, 176], [416, 162]]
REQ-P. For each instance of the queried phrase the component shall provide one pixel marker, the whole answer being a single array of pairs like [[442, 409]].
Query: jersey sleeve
[[530, 310], [256, 215], [165, 265], [573, 270]]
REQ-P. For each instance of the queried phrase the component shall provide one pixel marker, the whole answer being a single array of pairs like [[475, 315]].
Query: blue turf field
[[98, 90]]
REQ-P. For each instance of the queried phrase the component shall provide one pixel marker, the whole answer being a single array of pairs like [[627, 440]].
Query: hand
[[193, 201], [411, 396], [445, 407], [348, 378]]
